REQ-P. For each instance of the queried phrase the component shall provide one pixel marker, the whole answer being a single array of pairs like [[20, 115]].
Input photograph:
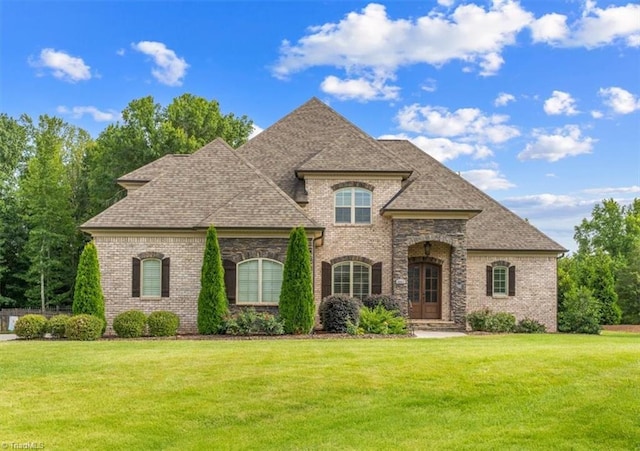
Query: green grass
[[559, 392]]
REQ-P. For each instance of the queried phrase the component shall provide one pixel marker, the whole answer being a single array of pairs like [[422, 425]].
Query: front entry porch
[[425, 290]]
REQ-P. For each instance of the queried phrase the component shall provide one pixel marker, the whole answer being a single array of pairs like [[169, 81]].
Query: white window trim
[[259, 302], [351, 264], [352, 221], [146, 296], [506, 282]]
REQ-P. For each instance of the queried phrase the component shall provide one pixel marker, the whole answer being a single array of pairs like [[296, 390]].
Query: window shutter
[[135, 277], [230, 280], [166, 264], [489, 281], [326, 279], [376, 278], [512, 281]]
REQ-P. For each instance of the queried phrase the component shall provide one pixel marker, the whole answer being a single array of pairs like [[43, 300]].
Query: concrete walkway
[[436, 334], [7, 337]]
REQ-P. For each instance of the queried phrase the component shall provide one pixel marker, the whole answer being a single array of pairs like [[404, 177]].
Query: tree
[[297, 307], [628, 287], [581, 313], [147, 132], [88, 297], [45, 193], [213, 305]]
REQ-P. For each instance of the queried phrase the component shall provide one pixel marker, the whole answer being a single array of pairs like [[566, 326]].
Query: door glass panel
[[414, 283], [432, 283]]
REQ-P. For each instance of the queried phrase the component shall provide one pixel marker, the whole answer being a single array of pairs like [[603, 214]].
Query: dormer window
[[353, 206]]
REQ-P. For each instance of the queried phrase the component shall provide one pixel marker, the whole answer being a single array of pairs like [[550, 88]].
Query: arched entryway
[[425, 290]]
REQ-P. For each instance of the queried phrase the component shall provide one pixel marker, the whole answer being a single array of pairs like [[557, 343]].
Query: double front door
[[425, 291]]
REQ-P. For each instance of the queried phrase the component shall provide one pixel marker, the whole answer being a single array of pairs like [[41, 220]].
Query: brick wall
[[536, 287]]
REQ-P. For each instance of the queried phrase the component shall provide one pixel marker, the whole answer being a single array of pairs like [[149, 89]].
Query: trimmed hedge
[[163, 324], [130, 324], [530, 326], [31, 326], [486, 321], [338, 312], [387, 302], [84, 327], [57, 325], [250, 322]]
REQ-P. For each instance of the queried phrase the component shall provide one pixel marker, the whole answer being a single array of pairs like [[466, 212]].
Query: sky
[[535, 102]]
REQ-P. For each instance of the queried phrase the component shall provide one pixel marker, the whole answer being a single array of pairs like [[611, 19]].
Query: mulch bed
[[634, 328]]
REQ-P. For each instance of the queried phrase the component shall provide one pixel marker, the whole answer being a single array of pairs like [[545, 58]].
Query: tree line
[[54, 176]]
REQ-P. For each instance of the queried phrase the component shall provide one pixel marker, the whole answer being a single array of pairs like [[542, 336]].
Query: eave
[[430, 214]]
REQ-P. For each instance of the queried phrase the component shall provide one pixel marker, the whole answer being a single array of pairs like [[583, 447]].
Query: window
[[259, 280], [353, 206], [150, 275], [352, 279], [499, 281]]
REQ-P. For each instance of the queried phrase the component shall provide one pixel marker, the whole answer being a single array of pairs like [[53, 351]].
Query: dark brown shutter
[[326, 279], [135, 277], [512, 281], [489, 281], [166, 264], [376, 278], [230, 280]]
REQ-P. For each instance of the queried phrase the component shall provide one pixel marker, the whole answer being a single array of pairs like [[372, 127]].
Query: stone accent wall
[[407, 232], [536, 287], [186, 252], [371, 241]]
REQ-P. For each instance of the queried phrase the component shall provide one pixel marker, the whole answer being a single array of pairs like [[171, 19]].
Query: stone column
[[458, 284]]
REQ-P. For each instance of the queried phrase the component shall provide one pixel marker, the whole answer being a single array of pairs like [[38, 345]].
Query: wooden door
[[425, 290]]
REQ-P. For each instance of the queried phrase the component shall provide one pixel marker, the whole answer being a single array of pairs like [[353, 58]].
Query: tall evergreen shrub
[[297, 308], [88, 298], [213, 304]]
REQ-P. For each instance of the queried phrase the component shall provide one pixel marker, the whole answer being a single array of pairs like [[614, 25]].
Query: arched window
[[259, 281], [353, 206], [352, 279], [151, 276], [500, 280]]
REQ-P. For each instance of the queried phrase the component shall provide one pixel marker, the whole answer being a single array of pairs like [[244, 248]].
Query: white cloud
[[468, 124], [120, 52], [608, 191], [256, 130], [564, 142], [429, 85], [359, 88], [446, 3], [371, 40], [170, 69], [443, 149], [596, 114], [597, 27], [77, 112], [487, 179], [63, 66], [619, 100], [503, 99], [560, 103]]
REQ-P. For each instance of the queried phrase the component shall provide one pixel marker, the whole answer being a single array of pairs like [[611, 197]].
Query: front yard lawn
[[479, 392]]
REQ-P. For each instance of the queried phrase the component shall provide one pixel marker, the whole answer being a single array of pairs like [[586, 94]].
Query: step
[[435, 325]]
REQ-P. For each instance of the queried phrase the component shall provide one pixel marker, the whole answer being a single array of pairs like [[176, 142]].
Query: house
[[381, 216]]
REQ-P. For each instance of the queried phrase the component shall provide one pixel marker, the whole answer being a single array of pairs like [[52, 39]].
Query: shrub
[[485, 320], [84, 327], [130, 324], [387, 302], [31, 326], [163, 324], [57, 324], [581, 313], [213, 305], [337, 311], [530, 326], [297, 307], [382, 321], [250, 322], [87, 296]]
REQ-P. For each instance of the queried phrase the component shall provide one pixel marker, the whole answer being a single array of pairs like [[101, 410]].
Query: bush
[[486, 321], [213, 304], [530, 326], [130, 324], [297, 307], [337, 311], [250, 322], [84, 327], [31, 326], [57, 324], [379, 320], [581, 313], [163, 324], [387, 302]]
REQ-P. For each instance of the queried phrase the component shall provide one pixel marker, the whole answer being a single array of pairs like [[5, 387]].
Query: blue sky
[[536, 102]]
